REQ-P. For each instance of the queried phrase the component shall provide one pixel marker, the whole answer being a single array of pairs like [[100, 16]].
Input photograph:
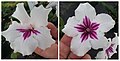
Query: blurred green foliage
[[113, 10], [15, 55], [8, 8]]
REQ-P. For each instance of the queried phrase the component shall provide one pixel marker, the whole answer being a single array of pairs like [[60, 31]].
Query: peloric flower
[[87, 29], [109, 49], [31, 32]]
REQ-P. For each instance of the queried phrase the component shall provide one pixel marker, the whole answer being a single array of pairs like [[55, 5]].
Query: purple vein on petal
[[86, 21], [27, 32], [88, 29], [25, 35], [109, 50], [35, 32], [93, 35], [95, 25], [21, 30], [84, 37]]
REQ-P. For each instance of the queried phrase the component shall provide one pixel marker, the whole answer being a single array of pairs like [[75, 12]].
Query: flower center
[[88, 29], [27, 32]]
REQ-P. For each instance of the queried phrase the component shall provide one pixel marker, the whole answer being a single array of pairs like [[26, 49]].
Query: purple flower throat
[[27, 32], [87, 29]]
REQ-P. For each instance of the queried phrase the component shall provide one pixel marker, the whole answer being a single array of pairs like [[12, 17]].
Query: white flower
[[53, 4], [109, 49], [87, 29], [31, 32]]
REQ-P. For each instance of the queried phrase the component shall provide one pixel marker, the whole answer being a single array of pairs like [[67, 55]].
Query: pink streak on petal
[[95, 25], [21, 30], [25, 35], [93, 35], [109, 50], [86, 21], [81, 26], [29, 33], [84, 37], [95, 28], [35, 32]]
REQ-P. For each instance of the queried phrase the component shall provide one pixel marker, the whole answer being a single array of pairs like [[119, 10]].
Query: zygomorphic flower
[[109, 49], [31, 32], [87, 29]]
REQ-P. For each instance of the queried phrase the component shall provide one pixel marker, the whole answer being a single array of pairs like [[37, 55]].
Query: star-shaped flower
[[109, 49], [87, 29]]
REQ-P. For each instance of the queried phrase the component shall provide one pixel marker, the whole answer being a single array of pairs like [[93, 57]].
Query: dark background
[[67, 9]]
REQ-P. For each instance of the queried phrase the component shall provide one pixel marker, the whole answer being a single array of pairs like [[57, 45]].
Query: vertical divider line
[[58, 31]]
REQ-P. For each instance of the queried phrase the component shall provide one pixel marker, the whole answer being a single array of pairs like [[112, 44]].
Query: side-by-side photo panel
[[59, 30], [88, 30], [29, 30]]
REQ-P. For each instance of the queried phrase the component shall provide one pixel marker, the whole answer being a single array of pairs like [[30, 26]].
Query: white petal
[[85, 9], [26, 47], [101, 55], [78, 48], [57, 11], [69, 27], [115, 42], [106, 22], [114, 47], [52, 4], [44, 38], [31, 4], [10, 34], [115, 39], [21, 14], [101, 42], [39, 15]]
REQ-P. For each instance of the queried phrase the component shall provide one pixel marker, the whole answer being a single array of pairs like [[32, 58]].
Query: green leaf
[[110, 8], [15, 55]]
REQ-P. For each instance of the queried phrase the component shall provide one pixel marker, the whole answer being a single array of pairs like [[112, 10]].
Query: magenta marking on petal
[[21, 30], [88, 29], [93, 35], [81, 26], [35, 32], [86, 21], [25, 35], [27, 32], [95, 28], [95, 25], [84, 37], [109, 50], [78, 27], [80, 30]]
